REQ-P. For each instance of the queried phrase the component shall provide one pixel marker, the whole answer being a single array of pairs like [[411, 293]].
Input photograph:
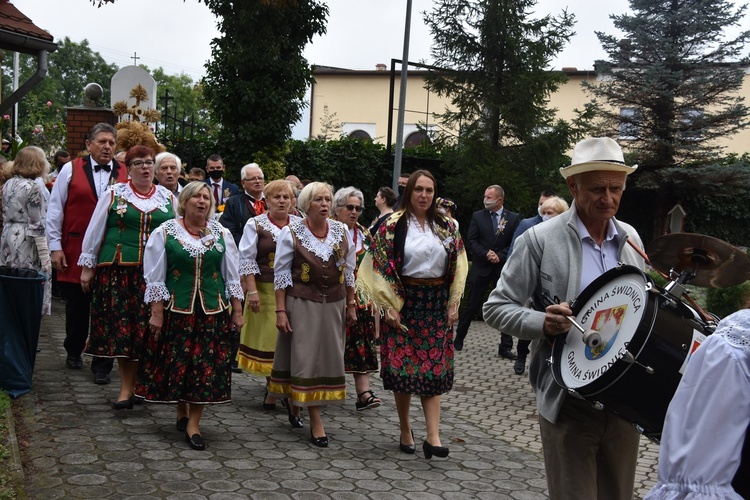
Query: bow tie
[[106, 168]]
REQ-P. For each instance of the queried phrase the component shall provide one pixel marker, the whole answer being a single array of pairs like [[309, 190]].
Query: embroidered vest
[[128, 231], [191, 279], [77, 214], [315, 279], [266, 255]]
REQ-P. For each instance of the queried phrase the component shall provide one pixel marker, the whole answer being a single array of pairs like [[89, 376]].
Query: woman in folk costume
[[191, 271], [314, 281], [416, 276], [360, 353], [112, 262], [257, 258]]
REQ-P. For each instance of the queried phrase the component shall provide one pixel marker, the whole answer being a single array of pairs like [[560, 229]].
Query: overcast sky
[[177, 35]]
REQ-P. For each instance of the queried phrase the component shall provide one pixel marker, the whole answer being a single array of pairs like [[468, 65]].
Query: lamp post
[[402, 101]]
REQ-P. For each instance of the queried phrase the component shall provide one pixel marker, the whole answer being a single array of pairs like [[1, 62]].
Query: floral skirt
[[360, 352], [190, 360], [258, 336], [119, 317], [419, 361]]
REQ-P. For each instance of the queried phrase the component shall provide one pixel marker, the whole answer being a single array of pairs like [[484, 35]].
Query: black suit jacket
[[237, 211], [483, 237], [225, 186]]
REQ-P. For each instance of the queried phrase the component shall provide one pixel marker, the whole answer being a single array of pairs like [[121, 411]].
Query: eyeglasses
[[141, 163], [353, 207]]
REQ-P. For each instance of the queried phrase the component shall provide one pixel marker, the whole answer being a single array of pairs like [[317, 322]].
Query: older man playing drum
[[588, 453]]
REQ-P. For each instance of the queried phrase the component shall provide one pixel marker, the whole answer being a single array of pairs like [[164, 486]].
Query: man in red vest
[[77, 189]]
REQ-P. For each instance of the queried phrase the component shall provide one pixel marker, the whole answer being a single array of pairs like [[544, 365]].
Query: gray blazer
[[557, 246]]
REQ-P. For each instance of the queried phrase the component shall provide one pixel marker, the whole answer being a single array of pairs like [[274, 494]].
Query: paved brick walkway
[[81, 448]]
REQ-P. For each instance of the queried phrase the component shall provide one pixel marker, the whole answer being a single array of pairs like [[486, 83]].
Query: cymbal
[[716, 263]]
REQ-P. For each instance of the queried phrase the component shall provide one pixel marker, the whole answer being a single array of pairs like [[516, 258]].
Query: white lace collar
[[266, 224], [321, 249], [158, 200], [735, 328], [189, 243]]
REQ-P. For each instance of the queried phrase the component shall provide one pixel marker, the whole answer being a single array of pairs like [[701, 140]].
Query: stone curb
[[16, 466]]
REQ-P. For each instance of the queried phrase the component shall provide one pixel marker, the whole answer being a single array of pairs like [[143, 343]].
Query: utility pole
[[402, 101]]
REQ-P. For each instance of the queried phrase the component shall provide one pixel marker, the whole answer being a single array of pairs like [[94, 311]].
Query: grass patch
[[10, 489]]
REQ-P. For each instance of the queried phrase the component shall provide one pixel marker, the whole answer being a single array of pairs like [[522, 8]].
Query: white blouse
[[249, 241], [155, 259], [94, 236], [424, 253], [337, 231], [708, 417]]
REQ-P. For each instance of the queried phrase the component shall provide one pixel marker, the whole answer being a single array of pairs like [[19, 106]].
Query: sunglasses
[[353, 207]]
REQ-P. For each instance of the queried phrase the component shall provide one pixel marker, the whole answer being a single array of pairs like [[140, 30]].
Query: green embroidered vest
[[190, 279], [128, 231]]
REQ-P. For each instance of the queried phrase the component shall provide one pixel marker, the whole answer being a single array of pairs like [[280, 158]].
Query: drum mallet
[[591, 338]]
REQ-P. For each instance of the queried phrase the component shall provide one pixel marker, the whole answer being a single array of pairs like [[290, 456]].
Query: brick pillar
[[79, 122]]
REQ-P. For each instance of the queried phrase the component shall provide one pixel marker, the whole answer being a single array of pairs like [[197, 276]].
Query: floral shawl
[[379, 274]]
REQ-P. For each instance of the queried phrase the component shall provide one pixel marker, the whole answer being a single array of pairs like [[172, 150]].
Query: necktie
[[106, 168], [216, 193], [259, 206], [494, 219]]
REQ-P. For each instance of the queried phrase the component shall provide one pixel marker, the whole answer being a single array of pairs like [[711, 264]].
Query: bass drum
[[647, 337]]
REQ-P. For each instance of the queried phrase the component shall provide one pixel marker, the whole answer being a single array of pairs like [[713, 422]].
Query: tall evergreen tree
[[669, 90], [257, 78], [496, 70], [497, 66]]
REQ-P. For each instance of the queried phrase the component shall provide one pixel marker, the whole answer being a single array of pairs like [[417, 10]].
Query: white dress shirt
[[59, 198]]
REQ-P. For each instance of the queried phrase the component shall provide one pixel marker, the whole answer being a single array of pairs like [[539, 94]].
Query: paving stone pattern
[[81, 448]]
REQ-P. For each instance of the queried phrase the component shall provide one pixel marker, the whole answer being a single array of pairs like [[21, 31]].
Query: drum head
[[614, 305]]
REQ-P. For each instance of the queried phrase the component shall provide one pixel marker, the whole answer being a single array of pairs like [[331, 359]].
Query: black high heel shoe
[[408, 448], [295, 420], [182, 424], [268, 406], [321, 442], [438, 451], [125, 404]]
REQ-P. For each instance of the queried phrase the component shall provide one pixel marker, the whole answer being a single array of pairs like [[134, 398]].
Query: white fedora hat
[[597, 153]]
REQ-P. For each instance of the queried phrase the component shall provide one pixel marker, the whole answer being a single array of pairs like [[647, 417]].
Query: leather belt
[[409, 281]]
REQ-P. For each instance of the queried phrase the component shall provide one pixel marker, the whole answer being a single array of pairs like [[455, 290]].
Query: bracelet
[[280, 310], [352, 303], [253, 293]]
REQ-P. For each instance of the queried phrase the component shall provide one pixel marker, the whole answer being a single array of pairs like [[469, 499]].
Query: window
[[416, 139], [360, 134], [691, 124], [629, 118]]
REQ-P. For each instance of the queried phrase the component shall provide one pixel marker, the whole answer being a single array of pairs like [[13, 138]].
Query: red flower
[[437, 370], [434, 353]]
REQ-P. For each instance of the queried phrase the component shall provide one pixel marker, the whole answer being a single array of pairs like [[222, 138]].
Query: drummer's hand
[[555, 321]]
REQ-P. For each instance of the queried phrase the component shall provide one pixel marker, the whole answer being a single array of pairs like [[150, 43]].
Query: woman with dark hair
[[23, 243], [112, 262], [417, 277], [191, 271], [384, 202]]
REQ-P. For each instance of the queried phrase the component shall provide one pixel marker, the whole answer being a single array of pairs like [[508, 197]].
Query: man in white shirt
[[77, 189]]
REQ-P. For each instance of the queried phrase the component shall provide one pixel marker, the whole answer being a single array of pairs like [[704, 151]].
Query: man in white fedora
[[588, 453]]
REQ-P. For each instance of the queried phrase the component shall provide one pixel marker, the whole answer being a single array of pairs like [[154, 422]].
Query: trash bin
[[21, 296]]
